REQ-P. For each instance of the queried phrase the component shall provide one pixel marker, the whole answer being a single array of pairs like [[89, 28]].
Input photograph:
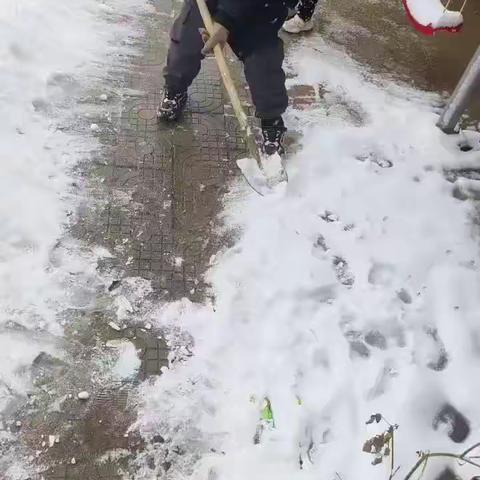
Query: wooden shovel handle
[[229, 85]]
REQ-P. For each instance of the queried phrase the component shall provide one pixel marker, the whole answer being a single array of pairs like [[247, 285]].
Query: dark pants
[[306, 9], [262, 61]]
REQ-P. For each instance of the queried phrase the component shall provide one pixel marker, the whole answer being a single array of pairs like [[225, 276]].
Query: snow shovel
[[252, 168]]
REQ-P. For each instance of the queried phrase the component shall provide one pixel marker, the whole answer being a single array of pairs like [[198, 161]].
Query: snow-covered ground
[[354, 292], [51, 53]]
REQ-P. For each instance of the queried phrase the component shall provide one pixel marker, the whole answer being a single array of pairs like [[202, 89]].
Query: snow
[[355, 292], [433, 13], [123, 308], [39, 72], [50, 53], [128, 362], [17, 351]]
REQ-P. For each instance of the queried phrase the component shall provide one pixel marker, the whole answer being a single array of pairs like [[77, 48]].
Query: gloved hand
[[219, 37]]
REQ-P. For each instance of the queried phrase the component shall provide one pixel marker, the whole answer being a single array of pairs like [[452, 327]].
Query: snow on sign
[[432, 16]]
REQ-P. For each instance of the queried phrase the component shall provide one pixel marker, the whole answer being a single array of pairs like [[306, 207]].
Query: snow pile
[[18, 352], [47, 49], [127, 362], [354, 293], [431, 15], [51, 52]]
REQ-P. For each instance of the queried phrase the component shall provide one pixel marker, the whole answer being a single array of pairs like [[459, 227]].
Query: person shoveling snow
[[431, 16], [251, 29]]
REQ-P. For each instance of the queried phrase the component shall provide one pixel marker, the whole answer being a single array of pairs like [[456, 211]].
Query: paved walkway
[[153, 194], [157, 190], [173, 175]]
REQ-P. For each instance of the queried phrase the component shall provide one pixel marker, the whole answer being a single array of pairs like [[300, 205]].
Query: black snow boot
[[273, 135], [172, 105]]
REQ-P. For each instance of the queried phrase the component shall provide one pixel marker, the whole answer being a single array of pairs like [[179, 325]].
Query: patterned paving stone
[[175, 176], [158, 189]]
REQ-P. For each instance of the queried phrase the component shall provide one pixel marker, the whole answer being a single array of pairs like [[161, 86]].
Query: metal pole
[[458, 102]]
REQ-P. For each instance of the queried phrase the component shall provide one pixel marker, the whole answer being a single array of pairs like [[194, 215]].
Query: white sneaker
[[297, 25]]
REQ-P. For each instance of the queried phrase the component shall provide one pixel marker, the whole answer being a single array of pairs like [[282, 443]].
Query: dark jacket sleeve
[[230, 13]]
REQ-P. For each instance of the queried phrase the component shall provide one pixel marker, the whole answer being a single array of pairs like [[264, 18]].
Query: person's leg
[[266, 79], [184, 54], [183, 60]]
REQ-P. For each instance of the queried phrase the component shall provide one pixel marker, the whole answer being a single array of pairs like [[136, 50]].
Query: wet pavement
[[171, 176], [154, 191], [378, 34]]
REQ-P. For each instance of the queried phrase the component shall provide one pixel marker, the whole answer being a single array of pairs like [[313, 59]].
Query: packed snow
[[127, 361], [433, 13], [354, 292]]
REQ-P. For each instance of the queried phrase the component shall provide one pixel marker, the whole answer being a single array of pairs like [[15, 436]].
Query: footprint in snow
[[453, 422], [438, 358], [358, 348], [340, 265], [375, 158], [362, 342], [339, 105], [342, 270], [376, 339], [321, 244], [404, 295], [331, 217]]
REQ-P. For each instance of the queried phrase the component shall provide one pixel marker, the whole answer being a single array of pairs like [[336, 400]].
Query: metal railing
[[458, 103]]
